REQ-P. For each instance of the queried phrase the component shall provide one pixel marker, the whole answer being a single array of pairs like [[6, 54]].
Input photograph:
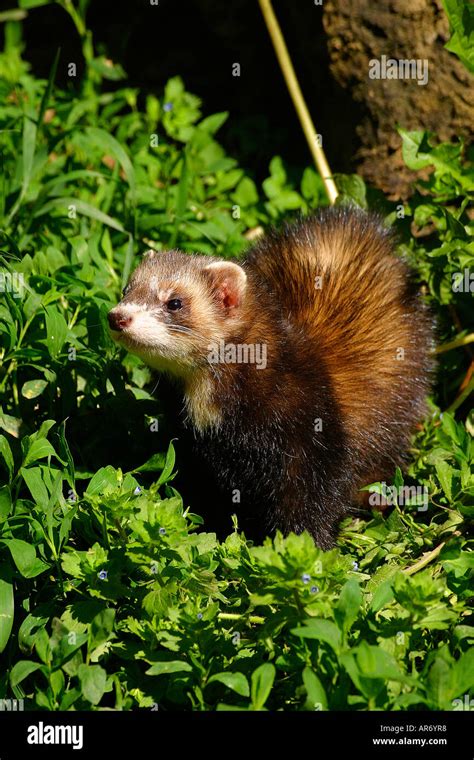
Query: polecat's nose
[[118, 321]]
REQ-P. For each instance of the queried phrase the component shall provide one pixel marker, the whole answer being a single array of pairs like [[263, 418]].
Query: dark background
[[200, 40]]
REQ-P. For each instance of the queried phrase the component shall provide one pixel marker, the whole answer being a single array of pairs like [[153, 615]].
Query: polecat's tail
[[337, 276]]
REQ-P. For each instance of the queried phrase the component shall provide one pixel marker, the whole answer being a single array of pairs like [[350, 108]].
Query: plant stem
[[298, 100], [424, 560], [462, 396], [235, 616], [458, 342]]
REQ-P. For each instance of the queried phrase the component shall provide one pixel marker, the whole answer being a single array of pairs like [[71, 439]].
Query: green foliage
[[461, 20], [111, 594]]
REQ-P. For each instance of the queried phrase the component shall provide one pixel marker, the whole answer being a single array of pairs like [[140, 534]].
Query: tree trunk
[[363, 30]]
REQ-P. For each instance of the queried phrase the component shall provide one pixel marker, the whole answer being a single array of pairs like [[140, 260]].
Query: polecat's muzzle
[[118, 321]]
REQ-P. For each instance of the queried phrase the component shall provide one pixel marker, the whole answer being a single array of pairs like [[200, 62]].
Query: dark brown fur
[[348, 369]]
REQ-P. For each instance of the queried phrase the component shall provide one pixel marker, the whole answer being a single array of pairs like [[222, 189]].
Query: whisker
[[185, 331]]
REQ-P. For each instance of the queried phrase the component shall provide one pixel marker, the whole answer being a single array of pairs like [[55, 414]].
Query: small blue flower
[[355, 565], [314, 589], [199, 616], [102, 575], [137, 491], [167, 107], [306, 577], [162, 531]]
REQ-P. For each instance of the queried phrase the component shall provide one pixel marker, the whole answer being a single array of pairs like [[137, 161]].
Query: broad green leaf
[[34, 480], [101, 628], [235, 681], [261, 684], [348, 606], [6, 455], [7, 611], [317, 699], [105, 481], [110, 145], [461, 21], [322, 630], [5, 503], [464, 674], [169, 465], [33, 388], [81, 207], [374, 662], [56, 330], [445, 474], [33, 3], [93, 680], [24, 557], [39, 448], [440, 684], [169, 666], [22, 669]]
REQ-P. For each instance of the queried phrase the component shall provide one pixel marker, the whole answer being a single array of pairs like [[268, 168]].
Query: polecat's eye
[[125, 290], [174, 304]]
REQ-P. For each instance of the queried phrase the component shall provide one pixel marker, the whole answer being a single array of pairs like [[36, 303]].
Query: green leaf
[[101, 628], [82, 207], [322, 630], [22, 669], [235, 681], [93, 680], [114, 72], [56, 330], [317, 699], [49, 88], [7, 611], [351, 188], [445, 475], [169, 666], [37, 449], [348, 606], [5, 503], [415, 149], [24, 557], [154, 464], [33, 3], [374, 662], [245, 193], [464, 674], [214, 122], [262, 682], [105, 481], [439, 684], [33, 388], [6, 455], [127, 267], [34, 480], [108, 143], [461, 21], [169, 465]]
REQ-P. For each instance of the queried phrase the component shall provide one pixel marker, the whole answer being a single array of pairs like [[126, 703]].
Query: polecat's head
[[176, 306]]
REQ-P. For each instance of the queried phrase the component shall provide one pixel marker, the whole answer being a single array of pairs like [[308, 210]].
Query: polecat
[[304, 367]]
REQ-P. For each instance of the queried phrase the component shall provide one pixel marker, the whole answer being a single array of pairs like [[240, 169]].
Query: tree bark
[[362, 30]]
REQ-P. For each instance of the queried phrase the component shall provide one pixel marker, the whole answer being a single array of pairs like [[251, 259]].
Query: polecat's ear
[[229, 282]]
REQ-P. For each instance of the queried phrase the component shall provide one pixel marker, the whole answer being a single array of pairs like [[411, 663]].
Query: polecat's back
[[336, 276]]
